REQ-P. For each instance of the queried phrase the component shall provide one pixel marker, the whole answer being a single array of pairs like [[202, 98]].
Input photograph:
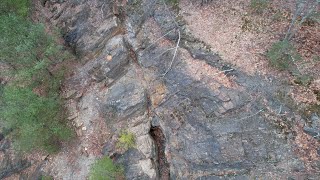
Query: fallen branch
[[102, 10], [251, 115], [174, 55], [165, 52], [157, 40]]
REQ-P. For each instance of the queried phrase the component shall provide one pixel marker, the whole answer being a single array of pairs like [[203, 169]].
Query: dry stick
[[158, 39], [251, 115], [294, 18], [102, 10], [300, 6], [165, 52], [177, 25], [174, 55], [280, 109], [302, 21]]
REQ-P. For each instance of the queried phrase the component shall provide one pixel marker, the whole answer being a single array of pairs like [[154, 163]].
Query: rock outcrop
[[193, 116], [10, 163]]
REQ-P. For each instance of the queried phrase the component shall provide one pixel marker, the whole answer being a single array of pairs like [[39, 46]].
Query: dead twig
[[174, 55], [102, 10], [179, 38], [165, 52], [251, 115], [158, 40]]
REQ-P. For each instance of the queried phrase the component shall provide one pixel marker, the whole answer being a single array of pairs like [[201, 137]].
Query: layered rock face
[[193, 116]]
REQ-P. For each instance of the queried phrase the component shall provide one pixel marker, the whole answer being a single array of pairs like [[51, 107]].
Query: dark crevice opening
[[162, 164]]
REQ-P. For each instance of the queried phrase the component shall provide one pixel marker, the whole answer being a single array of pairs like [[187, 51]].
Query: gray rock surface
[[10, 163]]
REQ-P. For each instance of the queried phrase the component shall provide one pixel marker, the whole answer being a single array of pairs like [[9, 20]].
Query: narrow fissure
[[161, 160]]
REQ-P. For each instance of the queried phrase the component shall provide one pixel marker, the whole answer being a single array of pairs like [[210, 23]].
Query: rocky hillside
[[193, 114]]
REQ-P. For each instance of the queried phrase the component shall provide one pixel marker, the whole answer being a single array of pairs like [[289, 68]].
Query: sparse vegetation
[[303, 80], [282, 55], [44, 177], [258, 6], [172, 2], [105, 169], [37, 122], [19, 7], [31, 106], [126, 140]]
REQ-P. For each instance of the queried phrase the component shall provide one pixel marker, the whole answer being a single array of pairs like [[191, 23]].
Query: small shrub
[[282, 55], [278, 16], [44, 177], [104, 169], [172, 2], [258, 6], [316, 58], [304, 80], [126, 140], [247, 24]]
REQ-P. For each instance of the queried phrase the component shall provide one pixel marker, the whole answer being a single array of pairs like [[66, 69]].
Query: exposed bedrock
[[194, 117]]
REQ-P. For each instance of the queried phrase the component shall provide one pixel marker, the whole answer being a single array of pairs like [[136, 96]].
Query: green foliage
[[104, 169], [173, 3], [278, 16], [282, 55], [37, 122], [310, 109], [30, 103], [26, 46], [126, 140], [19, 7], [316, 58], [20, 40], [258, 6], [44, 177], [304, 80]]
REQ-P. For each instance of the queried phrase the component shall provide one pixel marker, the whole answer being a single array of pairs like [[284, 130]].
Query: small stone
[[72, 117], [84, 128], [315, 117], [79, 95], [79, 124], [44, 157], [109, 57], [155, 122], [79, 133], [148, 168], [311, 131], [70, 93]]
